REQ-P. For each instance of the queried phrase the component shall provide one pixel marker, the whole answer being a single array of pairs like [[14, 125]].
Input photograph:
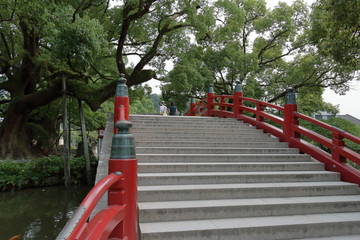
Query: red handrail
[[100, 226], [290, 131]]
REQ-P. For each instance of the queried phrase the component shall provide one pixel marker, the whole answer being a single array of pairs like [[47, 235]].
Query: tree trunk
[[85, 143], [66, 138], [14, 142]]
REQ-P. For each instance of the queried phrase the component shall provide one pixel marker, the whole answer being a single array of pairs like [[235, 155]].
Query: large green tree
[[87, 43], [266, 50]]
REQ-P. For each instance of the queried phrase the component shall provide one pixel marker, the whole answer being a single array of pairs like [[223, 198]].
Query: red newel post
[[289, 119], [222, 106], [259, 109], [121, 98], [192, 107], [338, 141], [237, 100], [123, 159], [210, 100]]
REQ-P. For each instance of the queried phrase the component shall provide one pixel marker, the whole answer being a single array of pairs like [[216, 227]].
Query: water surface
[[38, 213]]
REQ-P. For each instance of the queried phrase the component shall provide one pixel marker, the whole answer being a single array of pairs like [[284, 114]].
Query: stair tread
[[252, 222], [224, 163], [242, 185], [220, 155], [343, 237], [245, 202], [307, 202], [188, 174]]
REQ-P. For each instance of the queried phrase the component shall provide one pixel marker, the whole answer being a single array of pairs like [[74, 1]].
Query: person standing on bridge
[[173, 109], [163, 109]]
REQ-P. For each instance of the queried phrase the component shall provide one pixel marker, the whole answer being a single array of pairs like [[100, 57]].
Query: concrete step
[[240, 190], [209, 178], [177, 130], [159, 118], [228, 167], [238, 208], [243, 144], [215, 150], [191, 125], [343, 237], [223, 158], [214, 138], [148, 179], [258, 228], [205, 136]]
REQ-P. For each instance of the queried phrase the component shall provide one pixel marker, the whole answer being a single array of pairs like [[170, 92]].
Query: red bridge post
[[123, 159], [121, 98], [289, 119], [192, 107], [210, 100], [237, 100]]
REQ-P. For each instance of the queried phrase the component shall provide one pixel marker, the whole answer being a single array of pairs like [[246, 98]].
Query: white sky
[[347, 103]]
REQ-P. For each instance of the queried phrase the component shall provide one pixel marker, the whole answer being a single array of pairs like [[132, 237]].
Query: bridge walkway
[[209, 178]]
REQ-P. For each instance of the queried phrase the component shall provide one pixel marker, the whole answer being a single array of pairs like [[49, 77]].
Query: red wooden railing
[[289, 129], [119, 219], [103, 224]]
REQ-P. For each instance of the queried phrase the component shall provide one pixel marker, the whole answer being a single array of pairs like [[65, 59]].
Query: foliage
[[340, 123], [15, 175], [266, 50], [335, 30], [156, 101], [140, 100], [88, 44]]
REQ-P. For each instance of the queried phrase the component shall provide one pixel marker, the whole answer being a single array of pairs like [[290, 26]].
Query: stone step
[[184, 122], [244, 144], [250, 190], [176, 130], [189, 126], [228, 167], [214, 138], [343, 237], [215, 150], [238, 208], [148, 179], [159, 118], [223, 158], [258, 228], [195, 135]]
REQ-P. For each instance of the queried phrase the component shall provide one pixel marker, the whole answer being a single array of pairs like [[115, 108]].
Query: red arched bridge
[[248, 174]]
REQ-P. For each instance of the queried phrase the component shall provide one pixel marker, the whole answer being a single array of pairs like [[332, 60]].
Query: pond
[[38, 213]]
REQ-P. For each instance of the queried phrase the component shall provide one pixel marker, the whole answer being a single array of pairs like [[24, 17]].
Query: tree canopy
[[267, 50], [336, 30], [89, 42]]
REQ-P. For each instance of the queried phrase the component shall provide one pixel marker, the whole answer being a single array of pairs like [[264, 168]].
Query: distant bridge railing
[[286, 128], [119, 219]]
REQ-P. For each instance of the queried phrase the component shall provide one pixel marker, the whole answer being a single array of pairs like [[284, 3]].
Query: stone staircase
[[209, 178]]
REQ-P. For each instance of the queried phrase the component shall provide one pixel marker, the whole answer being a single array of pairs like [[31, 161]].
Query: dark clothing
[[172, 110]]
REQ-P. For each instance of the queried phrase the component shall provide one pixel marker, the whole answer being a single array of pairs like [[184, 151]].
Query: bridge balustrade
[[119, 219], [262, 115]]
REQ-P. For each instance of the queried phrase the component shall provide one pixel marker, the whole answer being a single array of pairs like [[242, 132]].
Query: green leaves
[[81, 41], [335, 30]]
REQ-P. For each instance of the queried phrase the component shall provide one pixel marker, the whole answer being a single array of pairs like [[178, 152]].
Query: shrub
[[15, 175]]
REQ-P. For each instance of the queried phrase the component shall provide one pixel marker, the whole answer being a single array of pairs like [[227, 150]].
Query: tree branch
[[7, 49], [12, 14], [268, 45], [77, 10]]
